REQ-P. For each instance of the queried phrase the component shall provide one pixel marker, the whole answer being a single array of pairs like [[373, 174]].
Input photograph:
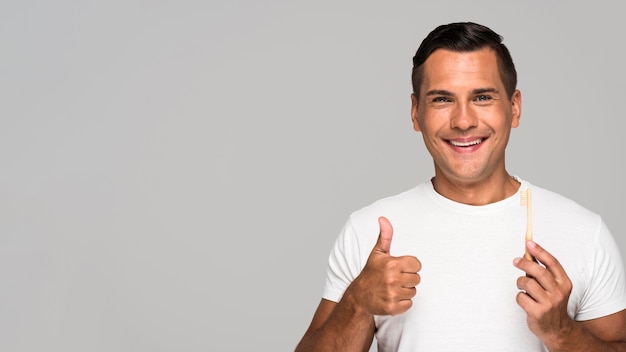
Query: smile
[[466, 144]]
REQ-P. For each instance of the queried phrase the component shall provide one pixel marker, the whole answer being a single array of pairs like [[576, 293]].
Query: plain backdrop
[[174, 173]]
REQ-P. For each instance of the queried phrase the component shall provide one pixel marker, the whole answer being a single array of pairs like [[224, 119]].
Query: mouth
[[465, 143]]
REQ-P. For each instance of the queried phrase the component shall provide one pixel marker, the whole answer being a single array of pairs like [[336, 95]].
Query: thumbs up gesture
[[386, 284]]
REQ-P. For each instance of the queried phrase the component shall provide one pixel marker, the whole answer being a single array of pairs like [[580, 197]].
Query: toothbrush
[[526, 199]]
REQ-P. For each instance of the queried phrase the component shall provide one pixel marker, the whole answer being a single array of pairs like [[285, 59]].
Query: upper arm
[[611, 328]]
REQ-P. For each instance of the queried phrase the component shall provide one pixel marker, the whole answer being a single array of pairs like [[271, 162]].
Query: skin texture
[[465, 118]]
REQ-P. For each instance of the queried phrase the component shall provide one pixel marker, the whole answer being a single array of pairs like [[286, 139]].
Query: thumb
[[384, 238]]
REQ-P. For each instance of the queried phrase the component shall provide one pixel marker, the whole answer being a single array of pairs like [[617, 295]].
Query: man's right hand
[[386, 284]]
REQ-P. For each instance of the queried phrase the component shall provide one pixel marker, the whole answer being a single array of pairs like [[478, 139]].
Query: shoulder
[[571, 232], [391, 205], [557, 208], [363, 223]]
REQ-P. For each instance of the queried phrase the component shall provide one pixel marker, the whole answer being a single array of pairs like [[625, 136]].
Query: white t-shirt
[[466, 298]]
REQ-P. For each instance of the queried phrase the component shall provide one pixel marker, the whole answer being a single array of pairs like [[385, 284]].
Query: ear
[[516, 106], [416, 125]]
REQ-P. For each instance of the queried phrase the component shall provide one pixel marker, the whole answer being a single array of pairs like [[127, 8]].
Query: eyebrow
[[475, 91], [485, 90], [438, 92]]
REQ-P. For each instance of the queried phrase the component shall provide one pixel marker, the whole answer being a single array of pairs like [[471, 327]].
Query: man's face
[[465, 115]]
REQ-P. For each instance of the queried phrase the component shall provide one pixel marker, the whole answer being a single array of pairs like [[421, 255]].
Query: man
[[466, 227]]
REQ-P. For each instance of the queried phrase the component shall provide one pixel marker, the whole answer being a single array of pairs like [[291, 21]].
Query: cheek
[[434, 121]]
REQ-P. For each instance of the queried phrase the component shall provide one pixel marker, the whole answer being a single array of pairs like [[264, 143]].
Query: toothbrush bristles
[[524, 197]]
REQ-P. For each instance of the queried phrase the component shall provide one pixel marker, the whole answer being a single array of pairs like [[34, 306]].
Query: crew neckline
[[504, 203]]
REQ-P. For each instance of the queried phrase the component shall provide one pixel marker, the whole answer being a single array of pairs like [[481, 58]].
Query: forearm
[[348, 328], [578, 339]]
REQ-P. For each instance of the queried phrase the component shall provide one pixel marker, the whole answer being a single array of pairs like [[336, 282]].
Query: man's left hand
[[545, 290]]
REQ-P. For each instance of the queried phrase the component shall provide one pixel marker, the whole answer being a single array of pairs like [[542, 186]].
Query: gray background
[[175, 172]]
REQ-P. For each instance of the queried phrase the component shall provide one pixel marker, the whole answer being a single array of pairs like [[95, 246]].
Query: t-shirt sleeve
[[606, 292], [343, 264]]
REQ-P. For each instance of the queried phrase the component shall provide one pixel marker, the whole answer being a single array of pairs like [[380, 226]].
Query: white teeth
[[466, 144]]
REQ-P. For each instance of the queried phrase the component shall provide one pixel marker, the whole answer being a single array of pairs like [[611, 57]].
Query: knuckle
[[389, 308], [568, 285], [389, 281], [560, 296], [391, 265]]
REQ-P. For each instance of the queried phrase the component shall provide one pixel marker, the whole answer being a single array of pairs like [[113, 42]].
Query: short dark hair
[[465, 37]]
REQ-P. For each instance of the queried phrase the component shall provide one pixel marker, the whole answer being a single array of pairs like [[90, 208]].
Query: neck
[[476, 193]]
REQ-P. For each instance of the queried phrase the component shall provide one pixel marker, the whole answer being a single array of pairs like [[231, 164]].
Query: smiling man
[[438, 267], [465, 114]]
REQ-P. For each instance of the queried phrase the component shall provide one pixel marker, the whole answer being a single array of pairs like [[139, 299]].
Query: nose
[[463, 117]]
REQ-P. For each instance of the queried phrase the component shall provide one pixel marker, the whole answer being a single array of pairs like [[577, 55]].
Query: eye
[[483, 99], [440, 100]]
